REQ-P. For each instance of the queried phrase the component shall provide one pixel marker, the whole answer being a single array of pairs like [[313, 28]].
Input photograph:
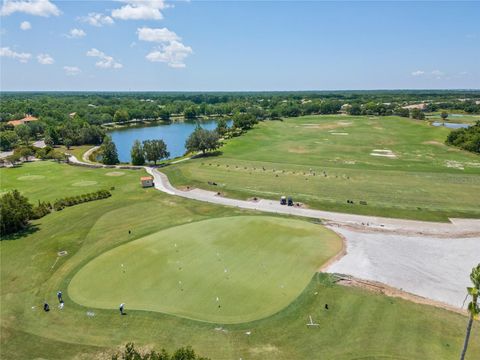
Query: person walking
[[59, 296], [122, 306]]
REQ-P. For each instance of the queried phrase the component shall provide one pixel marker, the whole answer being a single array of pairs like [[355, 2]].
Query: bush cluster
[[467, 139], [130, 353]]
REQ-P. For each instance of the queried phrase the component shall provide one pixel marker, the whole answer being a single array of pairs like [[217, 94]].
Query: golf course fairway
[[223, 270]]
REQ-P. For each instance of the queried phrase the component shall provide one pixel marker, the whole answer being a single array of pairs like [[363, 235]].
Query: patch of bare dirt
[[383, 289]]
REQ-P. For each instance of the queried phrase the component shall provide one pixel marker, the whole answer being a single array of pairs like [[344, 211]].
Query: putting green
[[224, 270]]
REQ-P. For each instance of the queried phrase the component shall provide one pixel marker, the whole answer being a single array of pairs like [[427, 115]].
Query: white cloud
[[45, 59], [418, 73], [97, 19], [25, 25], [156, 35], [7, 52], [437, 73], [72, 70], [33, 7], [105, 61], [76, 34], [140, 10], [173, 53]]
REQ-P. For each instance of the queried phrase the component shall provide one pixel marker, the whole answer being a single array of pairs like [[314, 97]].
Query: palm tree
[[473, 306]]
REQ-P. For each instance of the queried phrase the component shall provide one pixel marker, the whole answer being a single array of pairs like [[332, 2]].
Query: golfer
[[122, 306], [59, 296], [46, 307]]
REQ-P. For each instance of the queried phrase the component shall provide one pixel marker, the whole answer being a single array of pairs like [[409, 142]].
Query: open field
[[227, 270], [400, 167], [369, 325]]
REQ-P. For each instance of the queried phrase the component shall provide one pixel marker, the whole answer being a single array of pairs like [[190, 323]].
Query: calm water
[[173, 134], [450, 125]]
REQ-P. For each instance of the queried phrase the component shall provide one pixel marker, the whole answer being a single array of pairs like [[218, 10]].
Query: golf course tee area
[[226, 270], [385, 166]]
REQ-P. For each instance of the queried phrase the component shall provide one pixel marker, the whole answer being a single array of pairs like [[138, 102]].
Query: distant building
[[147, 181], [23, 121]]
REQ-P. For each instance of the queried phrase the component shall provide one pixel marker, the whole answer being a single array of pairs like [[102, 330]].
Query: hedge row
[[74, 200]]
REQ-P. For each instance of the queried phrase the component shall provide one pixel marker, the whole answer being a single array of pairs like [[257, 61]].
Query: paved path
[[429, 259], [456, 227]]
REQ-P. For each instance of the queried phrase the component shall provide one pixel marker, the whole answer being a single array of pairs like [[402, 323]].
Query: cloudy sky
[[238, 45]]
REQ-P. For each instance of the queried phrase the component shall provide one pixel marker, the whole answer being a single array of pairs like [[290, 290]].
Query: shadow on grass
[[208, 154], [20, 234]]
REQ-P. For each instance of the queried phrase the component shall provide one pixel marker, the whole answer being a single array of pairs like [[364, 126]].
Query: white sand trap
[[30, 177], [339, 133], [84, 183], [115, 173], [454, 164], [383, 153], [436, 268]]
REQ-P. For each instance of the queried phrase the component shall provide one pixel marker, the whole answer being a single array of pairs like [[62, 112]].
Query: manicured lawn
[[359, 324], [400, 167], [227, 270], [49, 180]]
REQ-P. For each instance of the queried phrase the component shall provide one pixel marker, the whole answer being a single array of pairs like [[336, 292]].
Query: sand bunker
[[339, 133], [30, 177], [115, 173], [383, 153], [436, 268], [327, 126], [84, 183], [454, 164]]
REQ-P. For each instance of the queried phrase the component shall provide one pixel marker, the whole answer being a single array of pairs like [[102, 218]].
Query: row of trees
[[68, 134], [131, 353], [149, 150], [96, 109]]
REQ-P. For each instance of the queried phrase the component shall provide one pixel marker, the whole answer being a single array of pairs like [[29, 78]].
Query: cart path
[[455, 228], [428, 259]]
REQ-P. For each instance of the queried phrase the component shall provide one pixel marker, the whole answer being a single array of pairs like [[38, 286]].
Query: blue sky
[[238, 45]]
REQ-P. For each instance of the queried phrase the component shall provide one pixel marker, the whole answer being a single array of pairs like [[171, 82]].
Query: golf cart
[[283, 200]]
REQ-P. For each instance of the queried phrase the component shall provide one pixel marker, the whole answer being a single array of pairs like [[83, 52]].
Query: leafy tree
[[473, 306], [138, 158], [417, 114], [399, 111], [130, 353], [16, 211], [23, 132], [155, 150], [202, 140], [53, 137], [467, 139], [108, 151], [68, 143], [14, 158], [121, 115], [164, 114], [190, 113], [244, 121], [355, 109], [8, 140], [444, 115], [222, 126]]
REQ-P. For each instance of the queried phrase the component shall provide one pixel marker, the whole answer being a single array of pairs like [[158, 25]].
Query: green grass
[[359, 324], [50, 181], [324, 161], [226, 270]]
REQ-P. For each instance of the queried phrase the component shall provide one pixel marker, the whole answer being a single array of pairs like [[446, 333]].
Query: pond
[[450, 125], [173, 134]]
